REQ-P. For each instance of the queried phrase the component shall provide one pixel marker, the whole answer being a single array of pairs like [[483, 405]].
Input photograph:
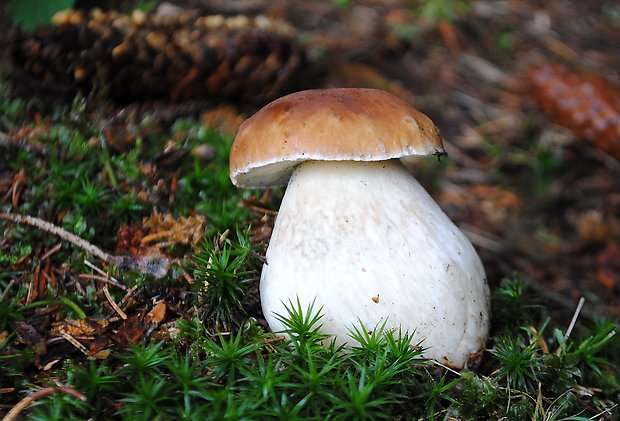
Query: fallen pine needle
[[75, 343], [447, 368], [571, 326], [605, 411], [113, 304], [101, 278], [6, 290], [274, 339], [52, 251], [38, 395], [110, 279], [128, 294]]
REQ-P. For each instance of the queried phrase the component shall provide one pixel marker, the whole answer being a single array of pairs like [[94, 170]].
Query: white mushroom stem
[[369, 243]]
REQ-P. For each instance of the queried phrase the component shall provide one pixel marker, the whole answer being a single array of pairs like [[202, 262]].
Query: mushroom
[[355, 231]]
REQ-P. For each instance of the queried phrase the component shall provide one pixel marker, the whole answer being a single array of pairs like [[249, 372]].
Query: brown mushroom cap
[[344, 124]]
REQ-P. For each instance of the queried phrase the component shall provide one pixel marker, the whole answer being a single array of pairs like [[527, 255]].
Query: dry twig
[[155, 266], [105, 277]]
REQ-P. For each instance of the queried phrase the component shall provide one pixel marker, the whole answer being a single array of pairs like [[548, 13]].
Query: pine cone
[[587, 104], [143, 56]]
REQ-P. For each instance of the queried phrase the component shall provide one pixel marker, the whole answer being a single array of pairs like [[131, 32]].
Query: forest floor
[[525, 94], [535, 197]]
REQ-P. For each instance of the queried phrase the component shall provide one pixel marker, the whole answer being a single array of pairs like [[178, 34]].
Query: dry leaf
[[184, 230], [130, 331], [592, 228], [98, 345], [157, 313], [50, 364], [103, 354], [79, 328]]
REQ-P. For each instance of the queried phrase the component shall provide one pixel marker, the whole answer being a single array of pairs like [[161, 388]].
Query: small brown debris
[[130, 332], [81, 328], [80, 73], [157, 313], [592, 228], [30, 337], [275, 339], [34, 285], [98, 346], [449, 35], [18, 181], [129, 239]]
